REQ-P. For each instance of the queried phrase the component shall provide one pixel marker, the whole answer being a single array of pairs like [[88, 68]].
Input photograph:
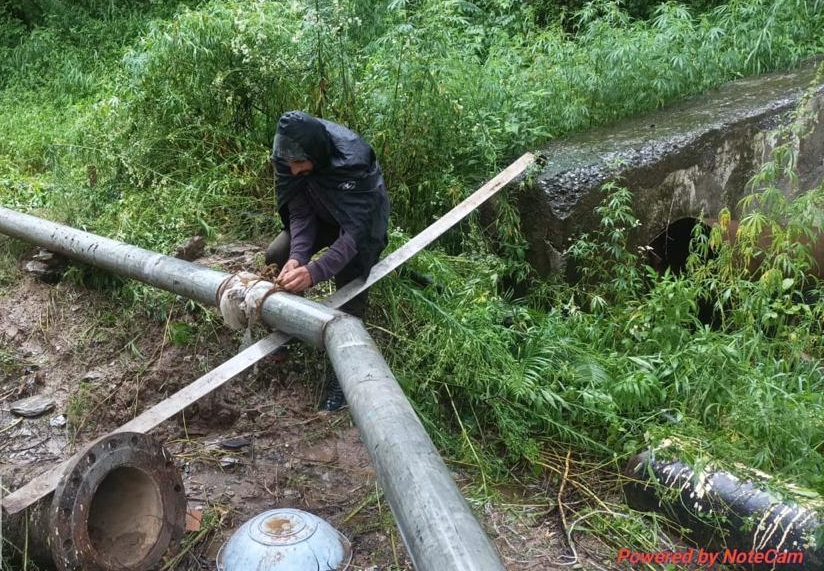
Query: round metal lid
[[282, 527], [287, 539]]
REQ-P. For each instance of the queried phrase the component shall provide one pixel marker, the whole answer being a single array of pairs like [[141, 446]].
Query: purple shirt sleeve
[[341, 252], [303, 227]]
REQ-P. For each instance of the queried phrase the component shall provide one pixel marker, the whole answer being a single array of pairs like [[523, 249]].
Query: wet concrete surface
[[692, 157]]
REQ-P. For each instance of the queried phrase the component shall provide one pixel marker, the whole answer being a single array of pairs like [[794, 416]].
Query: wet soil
[[256, 444]]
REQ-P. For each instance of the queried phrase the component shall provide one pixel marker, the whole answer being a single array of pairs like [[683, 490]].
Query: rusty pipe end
[[120, 505]]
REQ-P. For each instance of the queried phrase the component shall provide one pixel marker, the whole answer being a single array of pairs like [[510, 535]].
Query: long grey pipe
[[438, 527]]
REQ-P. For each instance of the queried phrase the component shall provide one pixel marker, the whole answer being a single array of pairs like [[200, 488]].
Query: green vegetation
[[178, 109], [148, 122]]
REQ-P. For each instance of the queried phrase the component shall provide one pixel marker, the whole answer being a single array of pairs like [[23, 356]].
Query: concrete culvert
[[670, 248], [119, 506]]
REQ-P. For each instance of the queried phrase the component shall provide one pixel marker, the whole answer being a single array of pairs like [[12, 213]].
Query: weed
[[10, 253], [180, 333], [162, 130], [82, 403], [195, 543]]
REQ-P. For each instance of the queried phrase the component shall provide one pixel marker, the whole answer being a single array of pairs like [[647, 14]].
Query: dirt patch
[[257, 444]]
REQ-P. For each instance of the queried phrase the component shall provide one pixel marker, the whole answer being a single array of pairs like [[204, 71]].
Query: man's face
[[300, 167]]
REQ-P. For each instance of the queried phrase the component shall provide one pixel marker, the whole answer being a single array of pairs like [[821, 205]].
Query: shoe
[[335, 400]]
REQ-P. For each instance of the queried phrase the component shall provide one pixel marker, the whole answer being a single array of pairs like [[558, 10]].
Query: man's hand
[[288, 267], [295, 279]]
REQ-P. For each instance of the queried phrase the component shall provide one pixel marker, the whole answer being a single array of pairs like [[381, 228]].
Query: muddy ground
[[102, 365]]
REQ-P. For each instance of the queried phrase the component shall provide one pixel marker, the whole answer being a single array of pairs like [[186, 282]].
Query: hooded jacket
[[345, 177]]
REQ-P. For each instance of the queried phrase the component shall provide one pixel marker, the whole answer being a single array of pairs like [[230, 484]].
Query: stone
[[10, 332], [46, 266], [191, 249], [48, 258], [228, 462], [93, 375], [32, 406], [39, 269], [235, 443]]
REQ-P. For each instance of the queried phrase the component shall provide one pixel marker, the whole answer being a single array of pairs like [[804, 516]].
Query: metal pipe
[[437, 525], [739, 518], [171, 274], [291, 314], [119, 505]]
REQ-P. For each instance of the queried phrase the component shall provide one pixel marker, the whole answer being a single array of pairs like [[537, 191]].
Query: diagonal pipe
[[438, 527]]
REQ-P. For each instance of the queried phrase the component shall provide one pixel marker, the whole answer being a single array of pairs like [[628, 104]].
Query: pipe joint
[[118, 505]]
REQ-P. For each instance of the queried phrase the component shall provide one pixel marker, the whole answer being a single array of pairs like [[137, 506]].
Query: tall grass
[[180, 109], [149, 122], [163, 130], [637, 366]]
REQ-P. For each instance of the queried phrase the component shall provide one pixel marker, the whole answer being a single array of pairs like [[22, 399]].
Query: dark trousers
[[278, 253]]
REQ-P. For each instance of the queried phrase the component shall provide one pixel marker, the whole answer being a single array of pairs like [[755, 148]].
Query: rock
[[46, 266], [58, 421], [323, 453], [48, 258], [228, 462], [9, 332], [235, 443], [191, 249], [39, 269], [93, 375], [32, 406]]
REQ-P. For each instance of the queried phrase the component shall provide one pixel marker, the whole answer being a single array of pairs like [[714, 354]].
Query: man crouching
[[330, 192]]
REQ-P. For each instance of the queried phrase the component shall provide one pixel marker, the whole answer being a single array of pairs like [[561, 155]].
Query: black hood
[[345, 176], [301, 136]]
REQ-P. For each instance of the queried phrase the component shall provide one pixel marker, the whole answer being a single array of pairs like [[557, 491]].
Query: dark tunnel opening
[[670, 249]]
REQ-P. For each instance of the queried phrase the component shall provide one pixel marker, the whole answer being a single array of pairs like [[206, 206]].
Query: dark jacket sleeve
[[341, 252], [303, 227]]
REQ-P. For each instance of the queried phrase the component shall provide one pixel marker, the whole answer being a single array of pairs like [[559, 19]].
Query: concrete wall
[[688, 159]]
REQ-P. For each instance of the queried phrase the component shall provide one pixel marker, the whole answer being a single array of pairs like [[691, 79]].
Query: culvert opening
[[671, 248], [125, 517]]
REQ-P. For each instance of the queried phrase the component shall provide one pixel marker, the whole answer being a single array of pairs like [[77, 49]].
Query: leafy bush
[[163, 129], [150, 121]]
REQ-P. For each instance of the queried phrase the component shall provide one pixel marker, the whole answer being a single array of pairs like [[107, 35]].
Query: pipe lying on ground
[[437, 525], [741, 520], [433, 541], [119, 505]]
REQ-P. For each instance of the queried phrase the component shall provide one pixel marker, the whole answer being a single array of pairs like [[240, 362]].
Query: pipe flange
[[120, 505]]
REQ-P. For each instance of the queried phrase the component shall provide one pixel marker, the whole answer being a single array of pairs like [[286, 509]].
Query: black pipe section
[[119, 505], [744, 523]]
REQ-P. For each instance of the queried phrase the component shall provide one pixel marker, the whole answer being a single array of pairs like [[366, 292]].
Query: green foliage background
[[178, 106], [147, 121]]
